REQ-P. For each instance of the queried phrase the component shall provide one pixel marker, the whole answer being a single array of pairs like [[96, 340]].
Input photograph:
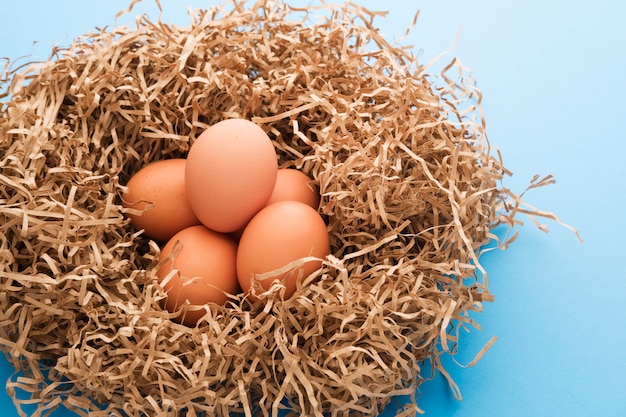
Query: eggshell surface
[[204, 268], [159, 190], [281, 233], [230, 174], [294, 185]]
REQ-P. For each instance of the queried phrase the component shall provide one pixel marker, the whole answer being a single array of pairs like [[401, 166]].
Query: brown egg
[[291, 185], [205, 271], [279, 234], [231, 172], [294, 185], [159, 190]]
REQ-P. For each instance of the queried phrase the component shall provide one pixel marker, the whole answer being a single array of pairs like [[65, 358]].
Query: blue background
[[552, 75]]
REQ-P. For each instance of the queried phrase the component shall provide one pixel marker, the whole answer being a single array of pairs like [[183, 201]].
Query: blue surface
[[552, 75]]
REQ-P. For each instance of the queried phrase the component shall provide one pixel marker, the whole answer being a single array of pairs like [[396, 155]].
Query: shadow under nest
[[409, 191]]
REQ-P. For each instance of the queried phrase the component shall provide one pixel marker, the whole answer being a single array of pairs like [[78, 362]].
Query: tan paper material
[[410, 189]]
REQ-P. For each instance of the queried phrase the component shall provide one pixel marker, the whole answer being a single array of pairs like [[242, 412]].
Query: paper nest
[[410, 191]]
